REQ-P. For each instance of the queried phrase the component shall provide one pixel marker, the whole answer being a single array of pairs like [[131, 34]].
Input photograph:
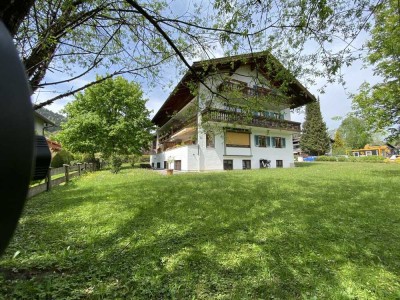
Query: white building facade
[[206, 124]]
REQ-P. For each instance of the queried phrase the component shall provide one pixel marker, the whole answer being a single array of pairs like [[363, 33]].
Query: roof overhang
[[43, 118], [182, 94]]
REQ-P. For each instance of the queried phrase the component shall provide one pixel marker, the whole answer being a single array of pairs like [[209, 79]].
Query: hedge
[[372, 159]]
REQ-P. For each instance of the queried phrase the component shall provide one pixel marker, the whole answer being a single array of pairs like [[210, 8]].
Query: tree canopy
[[314, 139], [137, 37], [355, 132], [110, 118], [338, 147], [379, 104]]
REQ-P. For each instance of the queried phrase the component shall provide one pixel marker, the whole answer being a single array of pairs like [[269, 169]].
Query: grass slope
[[322, 231]]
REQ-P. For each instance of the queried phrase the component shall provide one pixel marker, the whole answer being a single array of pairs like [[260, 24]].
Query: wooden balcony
[[243, 89], [220, 115]]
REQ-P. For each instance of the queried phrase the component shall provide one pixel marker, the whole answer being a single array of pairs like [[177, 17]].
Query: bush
[[325, 158], [62, 157], [341, 158], [145, 158], [133, 159], [145, 166], [373, 159], [115, 163]]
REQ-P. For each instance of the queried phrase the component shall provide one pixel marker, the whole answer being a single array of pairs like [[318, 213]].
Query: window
[[152, 165], [165, 164], [279, 163], [210, 140], [356, 154], [158, 165], [246, 163], [232, 85], [265, 163], [278, 142], [260, 141], [368, 153], [228, 164], [237, 139]]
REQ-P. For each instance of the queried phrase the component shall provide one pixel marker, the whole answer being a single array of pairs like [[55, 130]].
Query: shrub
[[145, 158], [133, 159], [145, 166], [353, 159], [373, 159], [115, 163], [62, 157], [325, 158], [341, 158]]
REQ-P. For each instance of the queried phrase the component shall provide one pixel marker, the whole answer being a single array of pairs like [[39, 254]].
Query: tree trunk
[[13, 12]]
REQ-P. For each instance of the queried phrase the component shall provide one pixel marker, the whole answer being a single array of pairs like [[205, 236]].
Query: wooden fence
[[67, 172]]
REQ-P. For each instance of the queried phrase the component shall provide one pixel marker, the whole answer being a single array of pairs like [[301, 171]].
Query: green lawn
[[319, 231]]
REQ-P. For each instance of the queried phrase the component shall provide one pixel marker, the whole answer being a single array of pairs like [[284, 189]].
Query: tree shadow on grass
[[228, 235]]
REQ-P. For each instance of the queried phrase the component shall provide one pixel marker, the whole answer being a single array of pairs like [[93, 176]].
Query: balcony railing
[[243, 89], [219, 115]]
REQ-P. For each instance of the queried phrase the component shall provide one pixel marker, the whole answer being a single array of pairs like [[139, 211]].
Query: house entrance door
[[177, 165]]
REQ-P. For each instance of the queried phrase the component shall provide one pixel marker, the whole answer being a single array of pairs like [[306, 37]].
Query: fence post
[[48, 180], [66, 172], [85, 167], [79, 169]]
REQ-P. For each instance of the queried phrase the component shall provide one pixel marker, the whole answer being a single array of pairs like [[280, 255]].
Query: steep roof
[[182, 95]]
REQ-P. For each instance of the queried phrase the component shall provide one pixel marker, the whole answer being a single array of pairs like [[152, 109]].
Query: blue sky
[[334, 102]]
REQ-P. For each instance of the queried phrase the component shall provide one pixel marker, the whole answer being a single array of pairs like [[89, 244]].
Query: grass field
[[319, 231]]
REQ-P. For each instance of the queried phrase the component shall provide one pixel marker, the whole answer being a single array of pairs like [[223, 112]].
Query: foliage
[[379, 104], [170, 161], [115, 163], [137, 235], [355, 132], [338, 147], [62, 157], [314, 139], [85, 157], [372, 158], [137, 38], [134, 159], [325, 158], [110, 117]]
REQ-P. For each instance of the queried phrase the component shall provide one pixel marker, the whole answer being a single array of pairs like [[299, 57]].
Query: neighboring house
[[54, 147], [41, 123], [370, 150], [199, 129]]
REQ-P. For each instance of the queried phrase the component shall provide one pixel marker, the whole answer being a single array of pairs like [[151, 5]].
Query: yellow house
[[368, 150]]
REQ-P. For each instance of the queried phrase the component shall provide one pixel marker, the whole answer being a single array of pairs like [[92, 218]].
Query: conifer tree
[[315, 139]]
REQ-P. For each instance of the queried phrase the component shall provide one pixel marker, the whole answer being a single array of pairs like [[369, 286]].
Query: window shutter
[[273, 142], [283, 143], [268, 141]]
